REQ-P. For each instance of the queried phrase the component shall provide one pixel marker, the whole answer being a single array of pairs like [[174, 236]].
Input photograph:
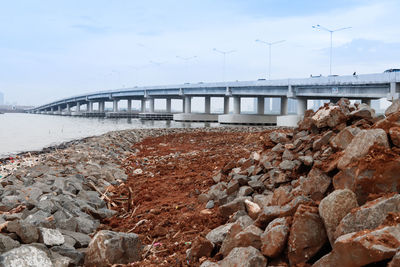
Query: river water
[[26, 132]]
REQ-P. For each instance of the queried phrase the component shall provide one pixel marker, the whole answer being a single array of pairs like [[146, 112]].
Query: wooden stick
[[101, 193], [147, 252]]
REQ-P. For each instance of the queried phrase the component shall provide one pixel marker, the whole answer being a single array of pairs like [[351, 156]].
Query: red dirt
[[176, 169]]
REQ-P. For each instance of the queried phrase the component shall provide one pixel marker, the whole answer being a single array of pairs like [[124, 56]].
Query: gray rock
[[59, 260], [245, 191], [27, 232], [307, 160], [109, 247], [7, 243], [82, 240], [51, 237], [334, 207], [76, 256], [210, 204], [217, 235], [287, 165], [85, 225], [278, 137], [25, 256], [244, 257]]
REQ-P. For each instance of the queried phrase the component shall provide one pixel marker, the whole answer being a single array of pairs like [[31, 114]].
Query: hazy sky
[[54, 49]]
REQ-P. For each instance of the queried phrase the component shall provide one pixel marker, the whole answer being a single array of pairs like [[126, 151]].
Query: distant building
[[1, 98]]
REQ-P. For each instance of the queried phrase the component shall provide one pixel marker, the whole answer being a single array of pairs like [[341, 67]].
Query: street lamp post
[[269, 48], [224, 53], [319, 27]]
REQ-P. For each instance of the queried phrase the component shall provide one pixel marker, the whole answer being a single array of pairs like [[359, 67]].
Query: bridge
[[362, 87]]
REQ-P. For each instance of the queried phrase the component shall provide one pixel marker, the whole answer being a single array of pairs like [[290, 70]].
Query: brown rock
[[282, 195], [307, 235], [323, 140], [201, 247], [250, 236], [328, 116], [394, 133], [314, 185], [233, 206], [275, 237], [334, 207], [395, 262], [252, 209], [363, 111], [368, 216], [262, 200], [361, 144], [244, 257], [362, 248], [344, 137], [393, 108], [109, 247], [272, 212]]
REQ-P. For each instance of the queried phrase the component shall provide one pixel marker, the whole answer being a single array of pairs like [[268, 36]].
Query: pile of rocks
[[50, 211], [325, 194]]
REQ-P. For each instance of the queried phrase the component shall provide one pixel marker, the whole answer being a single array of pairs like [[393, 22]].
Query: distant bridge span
[[365, 87]]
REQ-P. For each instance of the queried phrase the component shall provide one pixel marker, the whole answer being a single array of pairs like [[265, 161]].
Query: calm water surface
[[26, 132]]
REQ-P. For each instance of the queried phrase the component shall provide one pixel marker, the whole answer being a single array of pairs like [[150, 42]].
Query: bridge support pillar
[[115, 105], [101, 106], [143, 105], [284, 105], [188, 104], [301, 106], [151, 105], [236, 105], [168, 105], [78, 106], [68, 107], [394, 91], [226, 104], [90, 106], [129, 105], [207, 104], [59, 109], [260, 105]]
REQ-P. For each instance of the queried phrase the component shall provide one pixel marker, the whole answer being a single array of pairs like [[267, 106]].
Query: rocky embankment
[[52, 203], [325, 194]]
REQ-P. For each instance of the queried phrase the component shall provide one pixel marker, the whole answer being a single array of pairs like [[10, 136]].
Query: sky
[[55, 49]]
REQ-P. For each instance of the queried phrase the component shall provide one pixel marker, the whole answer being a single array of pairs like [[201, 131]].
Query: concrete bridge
[[362, 87]]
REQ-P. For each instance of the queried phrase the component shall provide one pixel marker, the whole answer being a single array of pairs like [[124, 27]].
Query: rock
[[82, 240], [395, 262], [60, 261], [201, 247], [344, 137], [244, 257], [363, 248], [245, 191], [363, 112], [262, 200], [328, 116], [85, 225], [109, 247], [393, 108], [275, 237], [76, 256], [210, 204], [394, 133], [278, 137], [361, 144], [287, 165], [233, 186], [27, 232], [209, 264], [307, 235], [233, 206], [272, 212], [250, 236], [314, 185], [7, 243], [307, 160], [334, 207], [25, 256], [368, 216], [50, 237], [217, 235], [323, 140], [252, 209], [282, 195]]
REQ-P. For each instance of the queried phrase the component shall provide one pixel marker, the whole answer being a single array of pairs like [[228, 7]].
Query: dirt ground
[[159, 200]]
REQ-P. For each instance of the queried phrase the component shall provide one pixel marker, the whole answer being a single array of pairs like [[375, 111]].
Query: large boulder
[[109, 247], [368, 216], [393, 108], [344, 137], [275, 237], [334, 207], [244, 257], [328, 116], [362, 248], [361, 144], [307, 235], [25, 256]]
